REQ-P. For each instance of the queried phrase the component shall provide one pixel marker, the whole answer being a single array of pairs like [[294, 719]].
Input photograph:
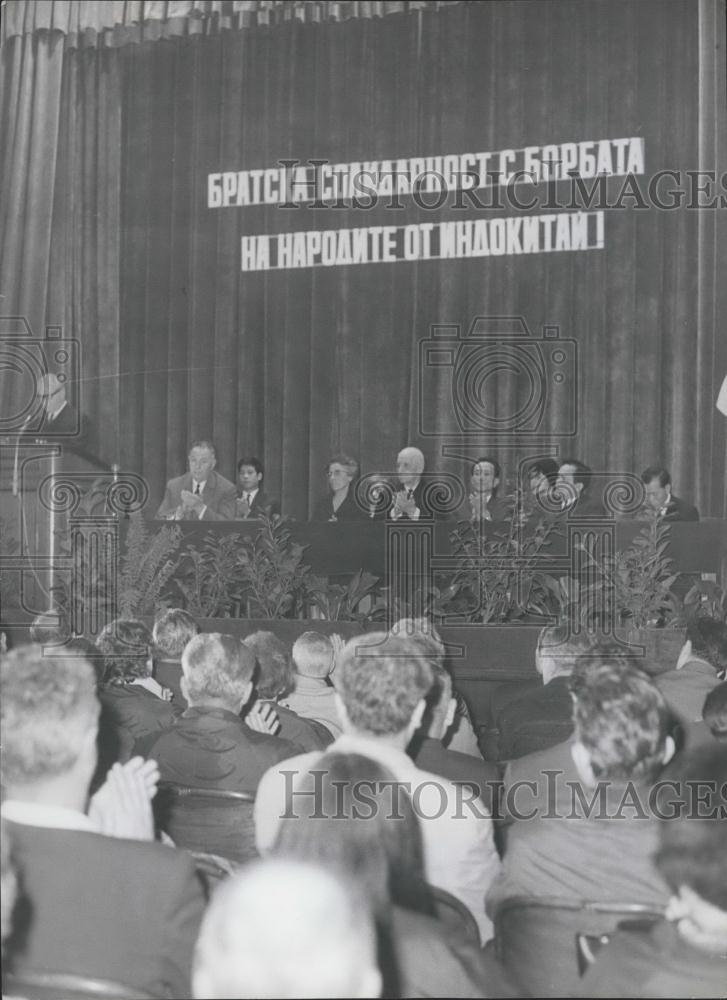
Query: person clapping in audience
[[98, 902], [312, 697], [173, 629]]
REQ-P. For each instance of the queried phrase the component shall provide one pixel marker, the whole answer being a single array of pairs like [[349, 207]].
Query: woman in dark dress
[[340, 504]]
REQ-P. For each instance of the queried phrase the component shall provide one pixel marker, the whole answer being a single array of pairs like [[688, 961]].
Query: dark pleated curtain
[[294, 365]]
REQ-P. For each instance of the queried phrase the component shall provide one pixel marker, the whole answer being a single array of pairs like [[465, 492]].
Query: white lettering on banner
[[325, 183], [551, 233]]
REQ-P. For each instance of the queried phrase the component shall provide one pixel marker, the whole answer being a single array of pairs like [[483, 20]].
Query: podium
[[60, 509]]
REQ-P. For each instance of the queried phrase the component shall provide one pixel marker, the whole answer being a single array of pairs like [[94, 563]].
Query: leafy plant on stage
[[146, 567], [633, 587], [502, 576], [210, 577], [340, 602], [9, 594], [274, 579]]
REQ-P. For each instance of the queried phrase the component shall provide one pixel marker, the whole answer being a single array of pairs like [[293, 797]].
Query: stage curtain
[[294, 365], [91, 23]]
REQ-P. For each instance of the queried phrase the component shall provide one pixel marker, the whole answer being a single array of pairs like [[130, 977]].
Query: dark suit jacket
[[307, 734], [522, 798], [680, 510], [261, 503], [348, 511], [213, 748], [104, 907], [550, 703], [431, 756], [131, 713], [219, 495], [585, 506]]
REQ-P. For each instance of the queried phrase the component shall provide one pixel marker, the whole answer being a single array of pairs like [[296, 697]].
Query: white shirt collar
[[251, 494], [48, 817], [201, 485]]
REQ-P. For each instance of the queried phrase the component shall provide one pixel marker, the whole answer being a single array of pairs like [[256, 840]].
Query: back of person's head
[[89, 651], [708, 638], [217, 669], [275, 677], [620, 719], [49, 712], [126, 646], [284, 928], [381, 681], [313, 655], [714, 711], [360, 822], [692, 853], [49, 628], [172, 631], [559, 647], [425, 632]]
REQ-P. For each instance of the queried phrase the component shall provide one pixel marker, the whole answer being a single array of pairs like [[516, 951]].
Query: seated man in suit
[[701, 664], [596, 836], [661, 501], [685, 955], [97, 901], [573, 488], [483, 503], [173, 629], [287, 929], [209, 746], [200, 494], [252, 500], [411, 502]]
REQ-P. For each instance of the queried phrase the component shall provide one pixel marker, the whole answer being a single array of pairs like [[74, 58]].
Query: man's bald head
[[409, 465], [286, 929]]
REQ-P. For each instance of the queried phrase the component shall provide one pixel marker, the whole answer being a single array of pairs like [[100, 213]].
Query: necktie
[[409, 494], [248, 499], [197, 490]]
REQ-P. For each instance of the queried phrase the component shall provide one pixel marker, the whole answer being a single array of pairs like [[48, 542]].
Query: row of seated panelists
[[537, 938]]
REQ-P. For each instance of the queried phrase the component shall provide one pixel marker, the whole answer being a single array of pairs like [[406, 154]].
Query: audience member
[[135, 705], [362, 825], [282, 928], [523, 718], [685, 955], [381, 685], [714, 712], [312, 696], [274, 681], [460, 736], [341, 503], [702, 662], [200, 494], [483, 503], [573, 488], [430, 754], [49, 629], [595, 839], [136, 906], [209, 745], [252, 500], [173, 629], [661, 501]]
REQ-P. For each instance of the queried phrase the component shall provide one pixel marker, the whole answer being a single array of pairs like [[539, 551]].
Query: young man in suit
[[252, 500], [200, 494], [96, 900], [661, 500]]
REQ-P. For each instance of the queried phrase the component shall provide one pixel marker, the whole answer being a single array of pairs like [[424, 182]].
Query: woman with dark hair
[[133, 703], [363, 824], [340, 504]]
